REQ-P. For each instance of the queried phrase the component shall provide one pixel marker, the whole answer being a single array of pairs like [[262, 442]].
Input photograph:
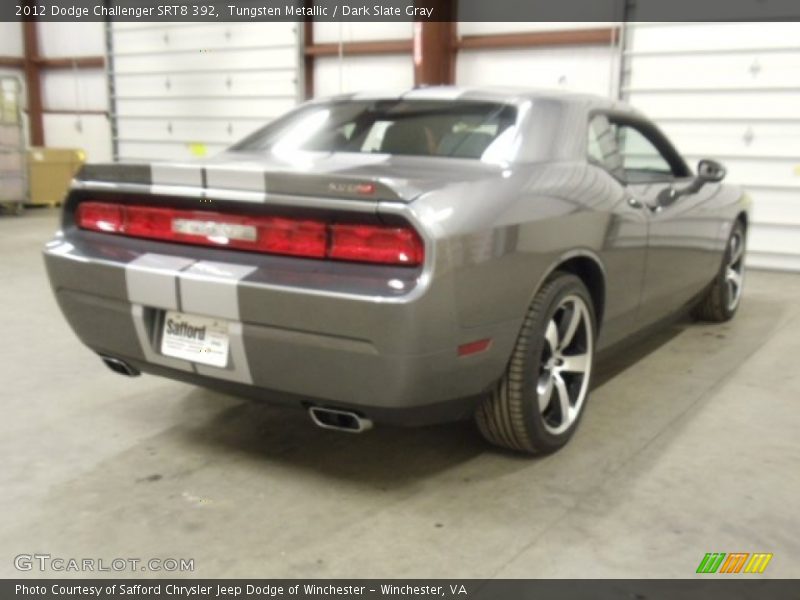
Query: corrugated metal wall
[[730, 91], [191, 89]]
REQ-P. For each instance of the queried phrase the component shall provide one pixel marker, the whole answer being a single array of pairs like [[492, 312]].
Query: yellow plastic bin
[[50, 171]]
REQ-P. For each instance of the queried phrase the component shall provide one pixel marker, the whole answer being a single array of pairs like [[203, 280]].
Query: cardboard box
[[50, 171]]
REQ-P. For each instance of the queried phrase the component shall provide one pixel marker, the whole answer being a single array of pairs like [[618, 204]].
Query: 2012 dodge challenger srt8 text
[[411, 259]]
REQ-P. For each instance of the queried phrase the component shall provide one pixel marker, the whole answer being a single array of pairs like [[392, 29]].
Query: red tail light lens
[[273, 235], [264, 234], [297, 238], [369, 243], [100, 217], [151, 222]]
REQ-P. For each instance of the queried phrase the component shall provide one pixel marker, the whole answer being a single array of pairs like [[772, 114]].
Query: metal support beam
[[62, 62], [308, 59], [567, 37], [434, 45], [70, 62], [30, 37], [360, 48], [12, 62], [87, 112]]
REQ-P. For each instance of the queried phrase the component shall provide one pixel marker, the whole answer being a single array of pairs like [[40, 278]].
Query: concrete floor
[[689, 445]]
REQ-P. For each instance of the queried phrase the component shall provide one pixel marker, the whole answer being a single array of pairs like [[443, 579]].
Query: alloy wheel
[[734, 270], [565, 365]]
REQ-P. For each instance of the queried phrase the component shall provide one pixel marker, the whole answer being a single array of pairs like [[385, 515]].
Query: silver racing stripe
[[152, 282], [211, 288], [193, 287], [156, 281], [176, 174], [244, 178]]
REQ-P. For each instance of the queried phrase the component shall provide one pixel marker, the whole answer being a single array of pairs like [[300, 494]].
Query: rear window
[[458, 129]]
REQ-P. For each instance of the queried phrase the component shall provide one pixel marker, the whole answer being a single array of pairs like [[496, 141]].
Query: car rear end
[[323, 291], [314, 263]]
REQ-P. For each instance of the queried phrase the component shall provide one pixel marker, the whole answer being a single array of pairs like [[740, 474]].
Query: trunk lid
[[367, 177]]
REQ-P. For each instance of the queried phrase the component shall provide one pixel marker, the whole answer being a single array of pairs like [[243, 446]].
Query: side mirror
[[710, 171]]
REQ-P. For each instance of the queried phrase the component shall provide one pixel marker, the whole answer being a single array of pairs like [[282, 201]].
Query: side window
[[642, 161], [374, 139], [602, 147]]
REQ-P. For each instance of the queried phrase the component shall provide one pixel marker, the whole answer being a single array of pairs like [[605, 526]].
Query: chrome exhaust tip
[[339, 420], [120, 366]]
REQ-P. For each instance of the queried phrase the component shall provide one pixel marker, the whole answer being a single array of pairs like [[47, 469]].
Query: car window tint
[[374, 139], [594, 149], [602, 146], [642, 161], [460, 129]]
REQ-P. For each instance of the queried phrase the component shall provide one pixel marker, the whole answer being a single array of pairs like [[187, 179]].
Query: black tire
[[512, 417], [720, 302]]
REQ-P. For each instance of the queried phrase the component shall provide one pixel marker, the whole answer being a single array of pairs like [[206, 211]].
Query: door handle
[[634, 203]]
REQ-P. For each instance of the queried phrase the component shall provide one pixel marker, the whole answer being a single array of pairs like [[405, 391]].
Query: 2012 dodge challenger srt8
[[412, 259]]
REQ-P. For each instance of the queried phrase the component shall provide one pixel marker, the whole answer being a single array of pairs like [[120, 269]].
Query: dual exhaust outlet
[[327, 418], [339, 420], [120, 366]]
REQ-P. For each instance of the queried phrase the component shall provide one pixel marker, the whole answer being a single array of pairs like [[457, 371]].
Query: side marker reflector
[[474, 347]]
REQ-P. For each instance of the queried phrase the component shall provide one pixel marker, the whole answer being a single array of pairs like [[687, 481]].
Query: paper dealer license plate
[[198, 339]]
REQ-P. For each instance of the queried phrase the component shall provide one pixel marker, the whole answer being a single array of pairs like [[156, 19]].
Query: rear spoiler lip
[[235, 183], [260, 198]]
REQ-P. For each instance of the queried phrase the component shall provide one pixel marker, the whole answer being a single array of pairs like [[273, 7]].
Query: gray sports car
[[414, 259]]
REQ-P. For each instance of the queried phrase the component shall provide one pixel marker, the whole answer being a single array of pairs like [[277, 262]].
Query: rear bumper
[[381, 341]]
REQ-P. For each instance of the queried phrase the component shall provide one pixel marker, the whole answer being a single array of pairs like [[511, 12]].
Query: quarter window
[[602, 146]]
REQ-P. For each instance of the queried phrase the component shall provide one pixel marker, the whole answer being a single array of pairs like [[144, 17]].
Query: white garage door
[[191, 89], [390, 73], [730, 91], [590, 69]]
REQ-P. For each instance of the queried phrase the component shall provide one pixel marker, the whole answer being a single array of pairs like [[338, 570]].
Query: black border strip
[[215, 11]]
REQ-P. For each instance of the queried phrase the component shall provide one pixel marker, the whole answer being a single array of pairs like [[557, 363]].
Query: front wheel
[[537, 404], [723, 297]]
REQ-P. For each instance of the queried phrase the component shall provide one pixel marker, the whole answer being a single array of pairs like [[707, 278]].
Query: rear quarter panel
[[502, 237]]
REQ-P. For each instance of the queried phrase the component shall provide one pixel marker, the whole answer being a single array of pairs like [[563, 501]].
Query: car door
[[624, 246], [681, 234]]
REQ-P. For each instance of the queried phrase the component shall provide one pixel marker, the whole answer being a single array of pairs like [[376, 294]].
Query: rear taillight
[[370, 243], [101, 217], [259, 234], [272, 235]]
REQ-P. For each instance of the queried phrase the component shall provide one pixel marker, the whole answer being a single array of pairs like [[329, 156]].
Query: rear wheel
[[723, 297], [540, 399]]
